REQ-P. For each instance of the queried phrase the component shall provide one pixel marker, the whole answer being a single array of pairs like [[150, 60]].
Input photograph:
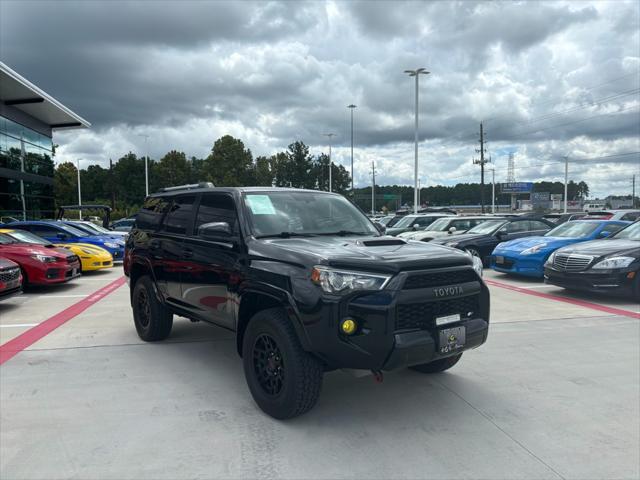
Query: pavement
[[554, 393]]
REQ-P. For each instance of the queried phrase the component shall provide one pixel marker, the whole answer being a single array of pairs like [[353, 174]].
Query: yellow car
[[91, 257]]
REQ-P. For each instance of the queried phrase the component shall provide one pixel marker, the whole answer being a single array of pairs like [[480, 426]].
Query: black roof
[[237, 189]]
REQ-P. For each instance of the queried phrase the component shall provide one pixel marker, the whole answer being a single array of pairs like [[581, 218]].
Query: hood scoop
[[383, 242]]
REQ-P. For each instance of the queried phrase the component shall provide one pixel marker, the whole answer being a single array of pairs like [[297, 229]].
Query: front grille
[[72, 259], [571, 262], [9, 275], [422, 315], [438, 279]]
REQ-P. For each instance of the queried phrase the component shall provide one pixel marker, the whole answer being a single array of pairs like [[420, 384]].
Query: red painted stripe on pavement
[[31, 336], [572, 301]]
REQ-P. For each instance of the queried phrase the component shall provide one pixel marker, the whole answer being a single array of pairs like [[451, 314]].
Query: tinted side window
[[150, 215], [630, 217], [516, 227], [462, 224], [44, 231], [536, 225], [179, 216], [217, 208]]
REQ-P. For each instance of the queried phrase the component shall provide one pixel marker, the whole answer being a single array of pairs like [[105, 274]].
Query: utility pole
[[373, 188], [566, 180], [352, 107], [146, 164], [482, 161], [79, 191], [112, 185], [633, 189], [493, 190], [329, 135], [416, 73]]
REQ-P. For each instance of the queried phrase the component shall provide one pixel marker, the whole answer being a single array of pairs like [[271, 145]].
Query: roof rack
[[188, 187]]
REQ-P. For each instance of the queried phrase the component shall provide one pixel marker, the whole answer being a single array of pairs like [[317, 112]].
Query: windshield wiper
[[286, 235], [342, 233]]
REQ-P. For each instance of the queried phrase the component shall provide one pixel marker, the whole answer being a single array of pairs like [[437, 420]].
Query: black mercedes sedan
[[480, 240], [611, 265]]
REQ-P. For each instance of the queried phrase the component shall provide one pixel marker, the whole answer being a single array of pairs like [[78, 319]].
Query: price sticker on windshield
[[260, 205]]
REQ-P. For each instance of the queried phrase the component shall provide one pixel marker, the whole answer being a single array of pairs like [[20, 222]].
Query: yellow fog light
[[348, 326]]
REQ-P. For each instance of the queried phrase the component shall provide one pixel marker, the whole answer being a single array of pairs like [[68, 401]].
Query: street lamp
[[566, 179], [79, 191], [493, 190], [329, 135], [351, 107], [416, 73], [146, 164]]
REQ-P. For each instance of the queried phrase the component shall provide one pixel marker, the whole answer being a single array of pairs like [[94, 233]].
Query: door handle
[[187, 253]]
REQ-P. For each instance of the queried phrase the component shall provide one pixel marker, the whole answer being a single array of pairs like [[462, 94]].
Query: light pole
[[146, 164], [351, 107], [566, 179], [373, 188], [79, 191], [329, 135], [493, 190], [416, 73]]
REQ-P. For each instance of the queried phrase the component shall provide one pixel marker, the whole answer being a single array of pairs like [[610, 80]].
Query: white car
[[445, 226]]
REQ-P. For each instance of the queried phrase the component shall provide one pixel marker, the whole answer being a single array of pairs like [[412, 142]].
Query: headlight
[[477, 264], [451, 244], [613, 263], [534, 249], [336, 281], [44, 258], [550, 259], [87, 251], [111, 245]]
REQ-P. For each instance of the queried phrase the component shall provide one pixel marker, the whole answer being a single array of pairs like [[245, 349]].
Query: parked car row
[[53, 252]]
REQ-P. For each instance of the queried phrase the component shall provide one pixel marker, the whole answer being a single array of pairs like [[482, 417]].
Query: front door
[[210, 282]]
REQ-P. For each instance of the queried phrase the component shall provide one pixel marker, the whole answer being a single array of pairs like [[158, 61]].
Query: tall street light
[[329, 135], [79, 191], [146, 164], [351, 107], [416, 73], [566, 180]]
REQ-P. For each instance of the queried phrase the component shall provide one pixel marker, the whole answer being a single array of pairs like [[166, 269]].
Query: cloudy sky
[[548, 79]]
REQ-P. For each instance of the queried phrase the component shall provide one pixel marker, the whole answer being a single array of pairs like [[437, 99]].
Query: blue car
[[526, 256], [59, 232]]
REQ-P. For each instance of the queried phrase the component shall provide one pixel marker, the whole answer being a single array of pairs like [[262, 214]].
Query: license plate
[[452, 339], [447, 319], [499, 259]]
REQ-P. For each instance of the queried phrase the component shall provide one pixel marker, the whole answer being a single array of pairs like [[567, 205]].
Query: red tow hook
[[377, 376]]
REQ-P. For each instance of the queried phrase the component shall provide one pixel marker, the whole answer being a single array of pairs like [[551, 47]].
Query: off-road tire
[[153, 323], [299, 374], [437, 366]]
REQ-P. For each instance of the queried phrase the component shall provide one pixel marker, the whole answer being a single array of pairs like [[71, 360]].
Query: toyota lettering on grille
[[447, 291]]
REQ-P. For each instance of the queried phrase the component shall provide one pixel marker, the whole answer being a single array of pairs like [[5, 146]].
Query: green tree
[[230, 164], [129, 179], [263, 174], [300, 166], [173, 169], [65, 184]]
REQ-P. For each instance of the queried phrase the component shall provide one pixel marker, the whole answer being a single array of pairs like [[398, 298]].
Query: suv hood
[[604, 247], [384, 254]]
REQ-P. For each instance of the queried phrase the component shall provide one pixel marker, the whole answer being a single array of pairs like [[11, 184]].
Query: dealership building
[[28, 118]]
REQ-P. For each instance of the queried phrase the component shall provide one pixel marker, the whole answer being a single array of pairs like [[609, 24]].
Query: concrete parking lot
[[554, 393]]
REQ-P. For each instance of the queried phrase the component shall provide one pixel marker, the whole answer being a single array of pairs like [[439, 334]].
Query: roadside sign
[[516, 187]]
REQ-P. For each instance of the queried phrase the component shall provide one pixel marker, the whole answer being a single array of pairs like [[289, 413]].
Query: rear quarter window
[[150, 215]]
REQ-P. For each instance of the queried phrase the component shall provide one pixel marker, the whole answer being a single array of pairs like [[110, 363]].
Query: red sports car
[[40, 264], [10, 278]]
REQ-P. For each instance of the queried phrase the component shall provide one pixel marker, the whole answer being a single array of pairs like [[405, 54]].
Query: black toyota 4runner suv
[[308, 284]]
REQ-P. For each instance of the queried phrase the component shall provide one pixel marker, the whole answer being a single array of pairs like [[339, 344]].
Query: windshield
[[97, 228], [27, 237], [385, 220], [405, 222], [487, 227], [440, 225], [575, 229], [72, 230], [304, 213], [632, 232], [84, 229]]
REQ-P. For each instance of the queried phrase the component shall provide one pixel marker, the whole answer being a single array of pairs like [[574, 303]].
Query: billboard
[[516, 187]]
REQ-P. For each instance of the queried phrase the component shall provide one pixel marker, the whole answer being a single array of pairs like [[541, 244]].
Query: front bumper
[[52, 273], [529, 267], [396, 326], [619, 282]]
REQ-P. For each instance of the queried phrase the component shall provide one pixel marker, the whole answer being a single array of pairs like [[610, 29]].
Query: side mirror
[[214, 230], [501, 234], [452, 230], [381, 228], [604, 234]]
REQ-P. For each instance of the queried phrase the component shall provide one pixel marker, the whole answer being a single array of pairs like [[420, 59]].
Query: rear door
[[209, 284], [168, 245]]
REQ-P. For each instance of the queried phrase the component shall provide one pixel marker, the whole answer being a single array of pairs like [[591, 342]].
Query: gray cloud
[[274, 72]]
